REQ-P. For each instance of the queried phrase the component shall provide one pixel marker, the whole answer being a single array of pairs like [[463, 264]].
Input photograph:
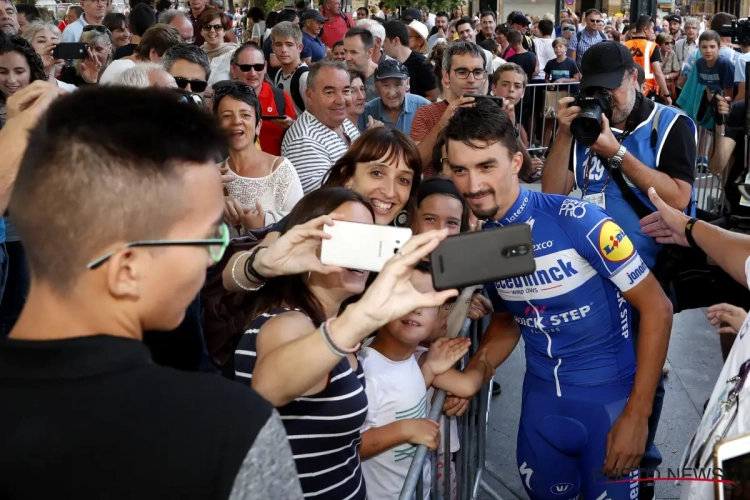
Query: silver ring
[[399, 253]]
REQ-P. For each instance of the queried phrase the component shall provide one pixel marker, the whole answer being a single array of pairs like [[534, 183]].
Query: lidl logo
[[614, 244]]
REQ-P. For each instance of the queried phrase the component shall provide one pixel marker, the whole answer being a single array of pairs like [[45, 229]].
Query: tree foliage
[[433, 5]]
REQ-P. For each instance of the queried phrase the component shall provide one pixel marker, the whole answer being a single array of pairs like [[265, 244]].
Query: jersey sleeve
[[603, 243]]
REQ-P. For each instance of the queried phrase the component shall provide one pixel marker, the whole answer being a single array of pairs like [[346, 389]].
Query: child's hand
[[423, 431], [444, 353]]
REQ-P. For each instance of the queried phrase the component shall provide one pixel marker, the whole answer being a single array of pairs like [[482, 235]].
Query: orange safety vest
[[642, 50]]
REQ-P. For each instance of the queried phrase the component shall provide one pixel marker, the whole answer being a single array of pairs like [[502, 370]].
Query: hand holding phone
[[358, 246], [70, 51], [483, 257], [497, 100]]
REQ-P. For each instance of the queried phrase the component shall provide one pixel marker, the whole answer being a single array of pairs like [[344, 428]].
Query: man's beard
[[619, 115], [488, 213]]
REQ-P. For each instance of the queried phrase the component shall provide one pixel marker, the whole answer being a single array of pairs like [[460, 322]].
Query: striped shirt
[[324, 428], [426, 118], [313, 148]]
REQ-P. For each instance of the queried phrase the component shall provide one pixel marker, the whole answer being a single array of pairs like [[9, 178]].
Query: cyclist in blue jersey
[[585, 406]]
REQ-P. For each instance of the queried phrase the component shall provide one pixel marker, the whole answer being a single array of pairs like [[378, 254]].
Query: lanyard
[[587, 167]]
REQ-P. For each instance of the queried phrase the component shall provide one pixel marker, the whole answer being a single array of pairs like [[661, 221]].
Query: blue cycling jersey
[[573, 318], [579, 356]]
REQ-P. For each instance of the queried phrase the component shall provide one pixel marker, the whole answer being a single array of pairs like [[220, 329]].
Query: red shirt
[[335, 28], [270, 133]]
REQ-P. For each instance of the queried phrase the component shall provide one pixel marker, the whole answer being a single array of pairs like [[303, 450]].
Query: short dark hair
[[444, 14], [142, 17], [186, 52], [396, 29], [489, 44], [486, 13], [482, 125], [363, 34], [514, 37], [709, 35], [18, 44], [291, 291], [159, 37], [287, 15], [246, 46], [338, 42], [133, 3], [116, 174], [78, 10], [720, 19], [237, 90], [115, 21], [643, 22], [30, 12], [546, 27], [465, 20], [209, 14], [592, 11]]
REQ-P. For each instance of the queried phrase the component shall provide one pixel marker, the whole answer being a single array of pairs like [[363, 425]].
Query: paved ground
[[694, 362]]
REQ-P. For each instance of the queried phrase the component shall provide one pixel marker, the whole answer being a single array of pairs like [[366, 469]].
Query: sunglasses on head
[[245, 68], [195, 85], [226, 86], [97, 27], [186, 97]]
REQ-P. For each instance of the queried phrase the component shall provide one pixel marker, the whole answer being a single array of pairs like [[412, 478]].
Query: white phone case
[[365, 247]]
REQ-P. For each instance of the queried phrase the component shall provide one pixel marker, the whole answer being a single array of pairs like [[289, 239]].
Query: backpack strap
[[346, 19], [278, 98], [296, 94]]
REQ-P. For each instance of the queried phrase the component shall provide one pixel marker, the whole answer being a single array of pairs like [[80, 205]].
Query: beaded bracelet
[[237, 282], [325, 330]]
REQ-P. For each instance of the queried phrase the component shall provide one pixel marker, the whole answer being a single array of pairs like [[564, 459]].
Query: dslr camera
[[739, 30], [594, 102]]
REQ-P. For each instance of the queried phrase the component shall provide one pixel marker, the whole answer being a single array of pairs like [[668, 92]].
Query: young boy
[[396, 388], [525, 59], [561, 69], [286, 43], [715, 71]]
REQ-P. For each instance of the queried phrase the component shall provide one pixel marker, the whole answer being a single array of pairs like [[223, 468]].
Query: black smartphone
[[70, 51], [497, 100], [477, 258], [273, 117]]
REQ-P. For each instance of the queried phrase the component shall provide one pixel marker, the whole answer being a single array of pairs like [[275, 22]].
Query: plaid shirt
[[587, 41]]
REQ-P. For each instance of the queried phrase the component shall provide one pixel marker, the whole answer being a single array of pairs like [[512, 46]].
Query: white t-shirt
[[395, 391], [695, 490], [285, 82], [114, 70], [544, 53], [220, 66], [455, 444]]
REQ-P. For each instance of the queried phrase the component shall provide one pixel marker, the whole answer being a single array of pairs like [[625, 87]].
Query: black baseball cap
[[674, 17], [313, 14], [391, 68], [520, 19], [604, 65], [411, 14]]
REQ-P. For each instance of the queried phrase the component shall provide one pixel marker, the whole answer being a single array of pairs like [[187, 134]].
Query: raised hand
[[90, 67], [444, 353]]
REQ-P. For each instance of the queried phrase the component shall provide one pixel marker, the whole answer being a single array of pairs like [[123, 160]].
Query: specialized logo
[[603, 496], [526, 472], [561, 488], [614, 244], [573, 208]]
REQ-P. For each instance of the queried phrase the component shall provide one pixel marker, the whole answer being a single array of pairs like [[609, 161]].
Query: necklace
[[284, 77]]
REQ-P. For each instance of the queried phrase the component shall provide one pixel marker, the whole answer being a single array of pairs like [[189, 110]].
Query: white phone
[[732, 457], [364, 247]]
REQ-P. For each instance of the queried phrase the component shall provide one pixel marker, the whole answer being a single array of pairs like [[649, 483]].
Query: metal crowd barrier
[[470, 460], [709, 188]]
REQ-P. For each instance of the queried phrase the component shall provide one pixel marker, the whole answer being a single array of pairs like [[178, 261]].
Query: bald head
[[182, 24]]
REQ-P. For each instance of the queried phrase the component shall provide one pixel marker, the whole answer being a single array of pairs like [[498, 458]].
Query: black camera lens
[[587, 126]]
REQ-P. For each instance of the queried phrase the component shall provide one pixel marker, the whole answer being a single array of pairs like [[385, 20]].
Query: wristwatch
[[616, 160]]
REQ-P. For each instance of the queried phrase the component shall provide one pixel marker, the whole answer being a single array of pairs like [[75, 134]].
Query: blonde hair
[[35, 27]]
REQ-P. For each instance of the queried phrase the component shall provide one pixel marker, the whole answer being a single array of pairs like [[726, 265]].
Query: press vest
[[642, 49]]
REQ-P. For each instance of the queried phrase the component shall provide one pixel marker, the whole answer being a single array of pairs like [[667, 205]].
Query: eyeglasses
[[668, 43], [463, 73], [195, 85], [215, 27], [245, 68], [216, 246]]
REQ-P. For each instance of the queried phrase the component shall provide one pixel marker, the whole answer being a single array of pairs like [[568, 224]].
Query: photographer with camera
[[608, 133]]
